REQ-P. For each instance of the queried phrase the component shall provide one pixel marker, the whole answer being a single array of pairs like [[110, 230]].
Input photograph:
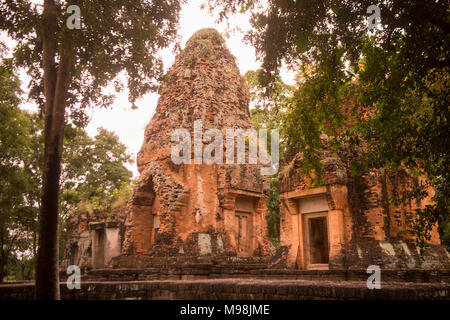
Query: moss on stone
[[190, 60], [209, 34], [203, 42], [204, 48]]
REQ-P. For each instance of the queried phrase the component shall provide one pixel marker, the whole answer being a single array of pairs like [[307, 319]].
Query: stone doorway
[[155, 221], [146, 210], [244, 212], [98, 252], [316, 240], [244, 233]]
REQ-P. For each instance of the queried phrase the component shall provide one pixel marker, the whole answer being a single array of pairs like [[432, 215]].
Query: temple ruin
[[193, 211], [200, 212], [350, 222]]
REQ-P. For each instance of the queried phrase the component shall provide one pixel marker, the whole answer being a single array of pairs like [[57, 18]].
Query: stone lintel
[[303, 193], [102, 225], [240, 192]]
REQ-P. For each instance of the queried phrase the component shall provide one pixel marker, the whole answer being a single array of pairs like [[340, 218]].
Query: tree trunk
[[2, 269], [3, 261], [47, 271], [2, 252], [22, 268], [55, 89]]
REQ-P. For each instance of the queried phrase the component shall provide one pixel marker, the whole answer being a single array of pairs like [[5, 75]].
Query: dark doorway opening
[[318, 240], [99, 248]]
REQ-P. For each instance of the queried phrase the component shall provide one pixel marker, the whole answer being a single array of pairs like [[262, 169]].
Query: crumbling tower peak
[[210, 34], [204, 84], [197, 210]]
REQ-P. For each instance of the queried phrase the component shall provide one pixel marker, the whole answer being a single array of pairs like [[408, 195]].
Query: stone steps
[[259, 271], [230, 289]]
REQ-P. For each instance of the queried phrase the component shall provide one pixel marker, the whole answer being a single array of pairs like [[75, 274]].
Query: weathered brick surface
[[235, 289], [79, 242], [195, 203], [259, 271], [364, 226], [185, 210]]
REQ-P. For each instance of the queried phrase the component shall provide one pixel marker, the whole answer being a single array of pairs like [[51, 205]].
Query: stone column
[[336, 233], [291, 231]]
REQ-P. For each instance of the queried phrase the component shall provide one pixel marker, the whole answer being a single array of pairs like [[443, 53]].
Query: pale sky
[[129, 124]]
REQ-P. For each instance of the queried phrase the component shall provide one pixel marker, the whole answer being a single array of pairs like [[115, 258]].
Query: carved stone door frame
[[244, 237], [307, 217]]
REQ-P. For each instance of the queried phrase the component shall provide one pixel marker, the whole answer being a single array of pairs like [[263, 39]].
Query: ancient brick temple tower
[[196, 210], [201, 212]]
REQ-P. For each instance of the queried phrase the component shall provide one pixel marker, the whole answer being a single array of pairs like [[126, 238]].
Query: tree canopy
[[93, 175], [268, 111], [69, 67], [115, 36], [390, 82], [17, 184], [93, 172]]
